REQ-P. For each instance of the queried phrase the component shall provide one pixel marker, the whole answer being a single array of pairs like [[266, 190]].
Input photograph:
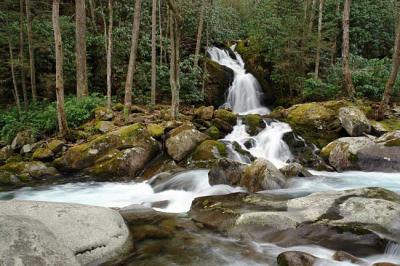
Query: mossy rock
[[103, 113], [56, 145], [391, 124], [155, 130], [310, 114], [209, 150], [104, 126], [118, 107], [254, 123], [226, 116], [42, 154], [213, 132]]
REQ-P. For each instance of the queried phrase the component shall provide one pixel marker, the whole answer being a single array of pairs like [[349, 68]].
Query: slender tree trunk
[[80, 47], [393, 76], [334, 46], [199, 34], [318, 56], [109, 52], [348, 83], [161, 32], [21, 53], [153, 52], [175, 27], [92, 8], [312, 16], [132, 58], [62, 121], [31, 51], [15, 92]]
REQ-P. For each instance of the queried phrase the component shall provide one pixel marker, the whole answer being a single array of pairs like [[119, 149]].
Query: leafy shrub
[[42, 117], [315, 89]]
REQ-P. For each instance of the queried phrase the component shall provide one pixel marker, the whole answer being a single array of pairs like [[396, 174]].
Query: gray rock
[[226, 172], [5, 153], [295, 170], [95, 235], [22, 138], [27, 148], [26, 241], [296, 258], [379, 158], [183, 140], [354, 121]]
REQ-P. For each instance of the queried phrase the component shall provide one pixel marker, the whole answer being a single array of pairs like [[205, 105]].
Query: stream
[[175, 194]]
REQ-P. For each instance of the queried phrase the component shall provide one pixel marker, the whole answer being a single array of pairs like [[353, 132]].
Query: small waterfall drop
[[244, 98]]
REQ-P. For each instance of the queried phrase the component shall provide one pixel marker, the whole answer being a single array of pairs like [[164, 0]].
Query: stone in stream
[[296, 258], [226, 172], [183, 140], [27, 241], [354, 121], [93, 235], [295, 170], [344, 256]]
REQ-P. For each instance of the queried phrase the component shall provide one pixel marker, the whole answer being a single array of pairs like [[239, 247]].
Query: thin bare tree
[[31, 51], [348, 83], [80, 47], [199, 33], [153, 52], [21, 53], [318, 56], [15, 86]]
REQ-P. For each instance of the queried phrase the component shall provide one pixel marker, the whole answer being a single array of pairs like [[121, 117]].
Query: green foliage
[[42, 117], [315, 90]]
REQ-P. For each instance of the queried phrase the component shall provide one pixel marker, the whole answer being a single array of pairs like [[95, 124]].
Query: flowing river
[[176, 193]]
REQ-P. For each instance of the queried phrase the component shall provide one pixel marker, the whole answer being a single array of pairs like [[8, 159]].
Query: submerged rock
[[183, 140], [94, 235], [354, 121]]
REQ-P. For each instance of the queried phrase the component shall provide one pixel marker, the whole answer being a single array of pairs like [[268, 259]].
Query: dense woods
[[154, 52]]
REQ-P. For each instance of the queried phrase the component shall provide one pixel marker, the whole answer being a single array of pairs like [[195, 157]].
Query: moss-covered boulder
[[21, 173], [354, 121], [218, 80], [209, 150], [56, 145], [105, 126], [204, 112], [155, 130], [87, 154], [226, 116], [118, 107], [314, 122], [254, 124], [222, 125], [390, 139], [43, 154], [103, 114], [22, 138], [213, 132], [183, 140]]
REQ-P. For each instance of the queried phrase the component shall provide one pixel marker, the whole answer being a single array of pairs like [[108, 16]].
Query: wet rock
[[295, 170], [226, 116], [27, 241], [219, 78], [296, 258], [354, 121], [222, 125], [5, 153], [22, 138], [385, 264], [209, 150], [226, 172], [379, 158], [106, 153], [183, 140], [344, 256], [43, 154], [56, 145], [94, 235], [213, 132], [390, 139], [104, 126], [205, 112], [103, 114], [254, 124], [262, 175], [377, 128]]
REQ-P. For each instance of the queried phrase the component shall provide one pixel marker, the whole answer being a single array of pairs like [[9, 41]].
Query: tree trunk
[[31, 51], [348, 83], [393, 76], [62, 121], [199, 34], [80, 47], [175, 27], [21, 53], [312, 15], [92, 8], [109, 53], [153, 52], [161, 32], [334, 46], [318, 56], [15, 92], [132, 58]]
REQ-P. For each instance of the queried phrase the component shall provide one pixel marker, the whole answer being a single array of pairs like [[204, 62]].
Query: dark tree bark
[[31, 51], [62, 121], [21, 53], [109, 52], [318, 56], [153, 52], [199, 33], [348, 83]]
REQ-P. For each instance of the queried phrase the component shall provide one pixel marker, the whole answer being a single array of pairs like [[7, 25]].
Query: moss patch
[[226, 116], [209, 150]]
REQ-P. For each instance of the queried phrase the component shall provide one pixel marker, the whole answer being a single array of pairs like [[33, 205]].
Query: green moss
[[309, 114], [391, 124], [253, 122], [42, 153], [155, 130], [209, 150], [118, 107], [226, 116], [213, 132]]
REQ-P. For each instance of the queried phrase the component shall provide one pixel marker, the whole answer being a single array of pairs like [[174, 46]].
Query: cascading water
[[244, 98]]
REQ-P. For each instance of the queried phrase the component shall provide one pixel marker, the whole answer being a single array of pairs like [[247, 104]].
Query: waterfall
[[245, 92], [244, 98]]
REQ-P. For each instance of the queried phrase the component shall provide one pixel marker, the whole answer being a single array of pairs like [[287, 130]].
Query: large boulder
[[254, 124], [315, 122], [379, 158], [22, 173], [262, 175], [183, 140], [209, 150], [226, 116], [94, 235], [122, 152], [27, 241], [205, 112], [354, 121], [219, 79], [295, 170], [226, 172], [22, 138]]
